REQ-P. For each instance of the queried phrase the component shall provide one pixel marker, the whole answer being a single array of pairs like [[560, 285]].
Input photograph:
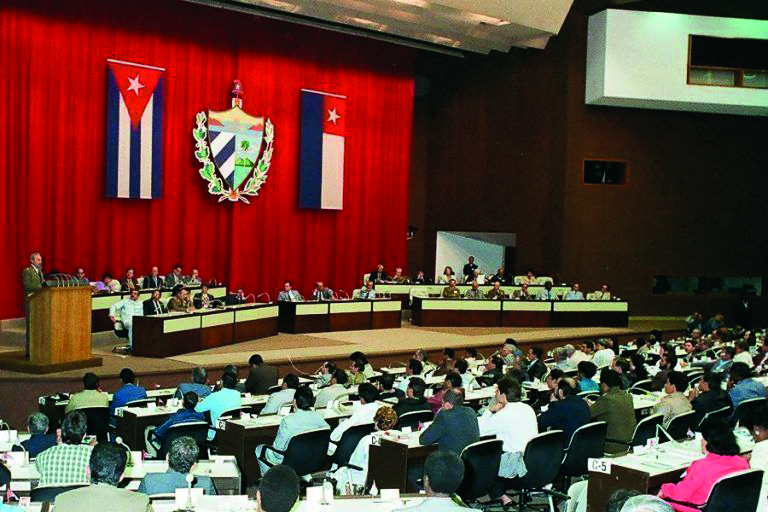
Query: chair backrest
[[694, 378], [680, 425], [646, 429], [235, 413], [349, 441], [142, 402], [98, 421], [721, 413], [274, 389], [41, 494], [746, 406], [307, 452], [5, 475], [542, 459], [644, 384], [413, 418], [197, 430], [592, 395], [736, 491], [481, 468], [587, 441]]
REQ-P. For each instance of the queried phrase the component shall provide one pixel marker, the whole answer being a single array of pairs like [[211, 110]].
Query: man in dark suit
[[153, 305], [469, 269], [414, 400], [32, 279], [536, 367], [153, 281], [387, 388], [709, 396], [378, 275], [455, 426], [234, 299], [261, 376], [568, 413], [40, 439]]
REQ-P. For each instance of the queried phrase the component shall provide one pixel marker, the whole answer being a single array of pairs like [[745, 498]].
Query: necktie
[[157, 308]]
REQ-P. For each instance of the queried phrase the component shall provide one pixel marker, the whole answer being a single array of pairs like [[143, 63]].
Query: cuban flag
[[134, 130], [323, 120]]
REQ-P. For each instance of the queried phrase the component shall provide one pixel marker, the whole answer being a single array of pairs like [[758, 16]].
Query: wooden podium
[[60, 332]]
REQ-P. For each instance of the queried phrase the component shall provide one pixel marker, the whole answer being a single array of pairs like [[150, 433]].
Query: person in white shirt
[[584, 354], [223, 400], [414, 370], [288, 294], [359, 356], [742, 353], [604, 293], [282, 397], [515, 424], [368, 292], [468, 381], [603, 355], [574, 293], [336, 388], [123, 312], [757, 423], [361, 414]]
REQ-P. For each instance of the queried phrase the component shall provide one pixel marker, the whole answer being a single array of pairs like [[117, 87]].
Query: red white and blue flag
[[134, 130], [323, 130]]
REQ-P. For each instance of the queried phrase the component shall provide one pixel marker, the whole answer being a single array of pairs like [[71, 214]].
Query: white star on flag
[[135, 85], [333, 116]]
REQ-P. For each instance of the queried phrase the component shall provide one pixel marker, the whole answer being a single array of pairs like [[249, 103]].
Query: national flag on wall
[[323, 130], [134, 130]]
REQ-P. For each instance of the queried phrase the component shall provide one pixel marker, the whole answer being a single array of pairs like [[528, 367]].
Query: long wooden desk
[[516, 313], [101, 302], [181, 333], [406, 292], [339, 315]]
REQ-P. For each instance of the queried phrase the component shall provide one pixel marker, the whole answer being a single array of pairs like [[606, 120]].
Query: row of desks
[[516, 313], [339, 315]]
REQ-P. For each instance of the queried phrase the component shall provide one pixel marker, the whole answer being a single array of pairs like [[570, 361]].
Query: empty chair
[[646, 429], [481, 468], [5, 475], [306, 452], [722, 413], [542, 459], [587, 441], [413, 418], [197, 430], [735, 491], [45, 493], [644, 384], [98, 422], [349, 441], [745, 407], [680, 425]]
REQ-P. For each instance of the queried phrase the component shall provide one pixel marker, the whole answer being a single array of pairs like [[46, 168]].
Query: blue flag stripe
[[157, 141], [113, 105], [311, 150], [135, 167]]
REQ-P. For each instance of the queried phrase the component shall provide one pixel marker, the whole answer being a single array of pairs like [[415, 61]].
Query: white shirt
[[743, 357], [578, 357], [603, 357], [126, 309], [329, 394], [468, 382], [361, 415], [759, 460], [277, 399], [515, 425]]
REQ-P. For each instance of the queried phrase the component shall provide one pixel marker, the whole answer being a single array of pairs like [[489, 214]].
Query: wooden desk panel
[[343, 315]]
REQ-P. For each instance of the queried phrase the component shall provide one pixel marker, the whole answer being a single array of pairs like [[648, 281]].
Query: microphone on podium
[[251, 296], [263, 294]]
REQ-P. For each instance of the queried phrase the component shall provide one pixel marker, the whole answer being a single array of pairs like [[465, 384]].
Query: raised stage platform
[[290, 352]]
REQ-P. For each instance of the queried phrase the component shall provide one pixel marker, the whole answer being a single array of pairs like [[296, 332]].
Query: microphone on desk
[[263, 294], [189, 478], [129, 462], [213, 281], [346, 295], [666, 434], [250, 295]]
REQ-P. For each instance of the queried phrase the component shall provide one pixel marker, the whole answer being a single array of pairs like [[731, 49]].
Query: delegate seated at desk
[[450, 291], [182, 458], [180, 301], [496, 292], [288, 294], [368, 292], [475, 292], [218, 402], [153, 305]]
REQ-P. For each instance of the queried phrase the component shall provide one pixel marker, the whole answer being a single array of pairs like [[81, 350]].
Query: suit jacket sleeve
[[435, 431], [30, 281]]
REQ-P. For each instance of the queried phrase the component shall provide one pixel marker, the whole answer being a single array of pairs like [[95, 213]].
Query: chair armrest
[[685, 503], [351, 466], [281, 452]]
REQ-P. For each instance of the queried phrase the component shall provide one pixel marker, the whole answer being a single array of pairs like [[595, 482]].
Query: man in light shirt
[[282, 397], [288, 294], [122, 313], [362, 414], [603, 355], [574, 293], [757, 423], [674, 402], [335, 389], [742, 353]]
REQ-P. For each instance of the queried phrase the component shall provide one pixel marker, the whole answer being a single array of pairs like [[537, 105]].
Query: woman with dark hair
[[722, 458], [446, 276]]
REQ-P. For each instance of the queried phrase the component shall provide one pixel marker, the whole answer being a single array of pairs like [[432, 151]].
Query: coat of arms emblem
[[228, 144]]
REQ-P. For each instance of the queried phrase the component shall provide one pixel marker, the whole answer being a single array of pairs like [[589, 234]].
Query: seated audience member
[[560, 356], [478, 276], [378, 275], [421, 355], [547, 293], [421, 278], [523, 293], [500, 276], [604, 293], [510, 353], [368, 369], [756, 421], [193, 279], [129, 281], [153, 281], [674, 402], [574, 293], [108, 284], [199, 384], [413, 369], [367, 293], [722, 458], [321, 292], [714, 324], [455, 426], [356, 373], [603, 354], [278, 490], [493, 371], [528, 278], [619, 497], [121, 313], [621, 366], [585, 353], [446, 276], [586, 372], [288, 294], [446, 365], [536, 368], [107, 465], [128, 392], [203, 299], [39, 440], [452, 381], [468, 381], [261, 376], [175, 278], [90, 396], [643, 347], [282, 397], [324, 374], [667, 363], [336, 388], [184, 415], [741, 348], [414, 400], [709, 396], [384, 420], [302, 419], [637, 369], [153, 305], [496, 293], [723, 363], [617, 409], [515, 424], [360, 415], [234, 299], [443, 473], [399, 278], [182, 458], [689, 346], [223, 400], [568, 412], [552, 380], [450, 291], [66, 463], [180, 300], [387, 388], [474, 292], [742, 386]]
